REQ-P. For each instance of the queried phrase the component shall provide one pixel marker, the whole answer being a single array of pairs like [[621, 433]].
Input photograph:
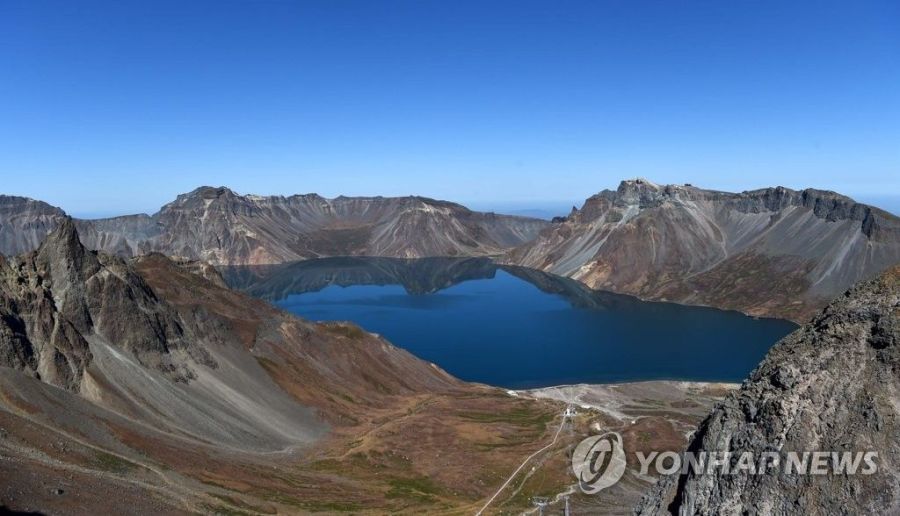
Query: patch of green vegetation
[[346, 330], [282, 499], [418, 489], [517, 416], [331, 506], [347, 397], [537, 485], [313, 505], [112, 463], [325, 465], [214, 484], [421, 484], [505, 444], [378, 386], [645, 437], [268, 364], [225, 511], [235, 502], [359, 458]]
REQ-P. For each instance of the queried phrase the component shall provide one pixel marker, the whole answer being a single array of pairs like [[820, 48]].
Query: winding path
[[533, 455]]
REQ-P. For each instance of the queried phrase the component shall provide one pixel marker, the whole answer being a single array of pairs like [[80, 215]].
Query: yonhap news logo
[[600, 462]]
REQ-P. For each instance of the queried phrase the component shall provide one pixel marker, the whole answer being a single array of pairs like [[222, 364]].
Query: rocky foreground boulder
[[55, 300], [833, 386]]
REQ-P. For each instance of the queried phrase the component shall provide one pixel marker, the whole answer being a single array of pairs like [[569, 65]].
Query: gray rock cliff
[[833, 386]]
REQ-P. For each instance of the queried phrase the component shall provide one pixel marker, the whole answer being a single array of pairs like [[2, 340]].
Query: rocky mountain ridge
[[57, 298], [770, 252], [222, 227], [830, 386]]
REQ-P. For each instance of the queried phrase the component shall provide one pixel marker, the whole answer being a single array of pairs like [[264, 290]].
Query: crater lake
[[514, 327]]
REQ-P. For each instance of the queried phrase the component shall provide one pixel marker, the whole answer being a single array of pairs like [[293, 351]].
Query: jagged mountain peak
[[208, 192], [203, 195], [63, 240], [638, 183], [831, 386], [64, 258], [641, 191]]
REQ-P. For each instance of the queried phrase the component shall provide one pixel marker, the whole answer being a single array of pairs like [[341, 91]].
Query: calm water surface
[[517, 328]]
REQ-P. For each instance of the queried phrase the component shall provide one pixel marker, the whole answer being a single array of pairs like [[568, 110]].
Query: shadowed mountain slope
[[830, 386], [771, 252]]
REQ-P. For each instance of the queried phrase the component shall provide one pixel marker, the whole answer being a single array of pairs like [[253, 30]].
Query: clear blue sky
[[110, 107]]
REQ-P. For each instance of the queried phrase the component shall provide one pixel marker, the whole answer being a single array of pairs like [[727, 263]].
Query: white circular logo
[[599, 462]]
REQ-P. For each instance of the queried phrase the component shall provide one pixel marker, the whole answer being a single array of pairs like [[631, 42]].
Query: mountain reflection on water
[[516, 327]]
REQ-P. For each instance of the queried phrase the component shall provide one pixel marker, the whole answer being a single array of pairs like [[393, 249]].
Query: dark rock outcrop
[[57, 298], [833, 386], [771, 252]]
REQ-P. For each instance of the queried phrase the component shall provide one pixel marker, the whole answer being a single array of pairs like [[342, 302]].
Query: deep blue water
[[497, 326]]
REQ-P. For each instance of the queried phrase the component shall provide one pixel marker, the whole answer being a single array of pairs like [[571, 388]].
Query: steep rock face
[[223, 228], [57, 298], [830, 386], [123, 236], [771, 252], [24, 223]]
